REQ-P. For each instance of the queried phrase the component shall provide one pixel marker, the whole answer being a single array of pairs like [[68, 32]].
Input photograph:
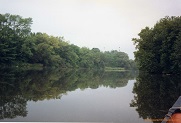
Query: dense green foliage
[[18, 45], [159, 48], [13, 32], [19, 86]]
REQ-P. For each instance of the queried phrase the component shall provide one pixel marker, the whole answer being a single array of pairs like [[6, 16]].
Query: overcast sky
[[105, 24]]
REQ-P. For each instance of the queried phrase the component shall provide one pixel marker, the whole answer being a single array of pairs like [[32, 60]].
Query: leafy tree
[[13, 30], [118, 59], [68, 53], [86, 58], [44, 49], [158, 47], [97, 58]]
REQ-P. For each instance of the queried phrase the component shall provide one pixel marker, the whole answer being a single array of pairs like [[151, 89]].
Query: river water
[[84, 96]]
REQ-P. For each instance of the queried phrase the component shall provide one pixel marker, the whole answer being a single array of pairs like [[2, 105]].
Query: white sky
[[105, 24]]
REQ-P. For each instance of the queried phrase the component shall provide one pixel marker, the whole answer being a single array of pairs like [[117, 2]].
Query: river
[[69, 95]]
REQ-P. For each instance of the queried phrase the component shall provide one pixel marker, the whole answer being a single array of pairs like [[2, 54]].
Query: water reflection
[[155, 94], [19, 86]]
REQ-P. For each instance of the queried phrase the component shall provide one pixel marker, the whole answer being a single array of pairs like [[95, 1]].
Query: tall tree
[[158, 47], [13, 30]]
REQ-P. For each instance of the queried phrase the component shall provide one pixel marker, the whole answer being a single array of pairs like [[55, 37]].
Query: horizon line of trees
[[18, 45]]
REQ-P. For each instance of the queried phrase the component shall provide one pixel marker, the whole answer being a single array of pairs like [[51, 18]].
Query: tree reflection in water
[[155, 94], [19, 86]]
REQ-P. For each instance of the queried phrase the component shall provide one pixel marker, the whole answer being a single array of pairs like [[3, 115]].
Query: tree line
[[159, 48], [18, 46]]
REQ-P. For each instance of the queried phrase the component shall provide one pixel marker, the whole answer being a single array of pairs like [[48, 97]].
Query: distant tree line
[[18, 45], [159, 48]]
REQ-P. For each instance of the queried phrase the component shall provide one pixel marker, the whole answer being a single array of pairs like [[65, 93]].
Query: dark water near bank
[[85, 96]]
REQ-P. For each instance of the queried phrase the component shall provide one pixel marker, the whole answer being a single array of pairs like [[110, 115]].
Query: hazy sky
[[105, 24]]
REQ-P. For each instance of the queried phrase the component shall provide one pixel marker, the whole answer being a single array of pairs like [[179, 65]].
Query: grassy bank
[[114, 69]]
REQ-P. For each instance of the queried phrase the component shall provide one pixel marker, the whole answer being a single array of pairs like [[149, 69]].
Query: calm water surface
[[92, 105], [82, 96]]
